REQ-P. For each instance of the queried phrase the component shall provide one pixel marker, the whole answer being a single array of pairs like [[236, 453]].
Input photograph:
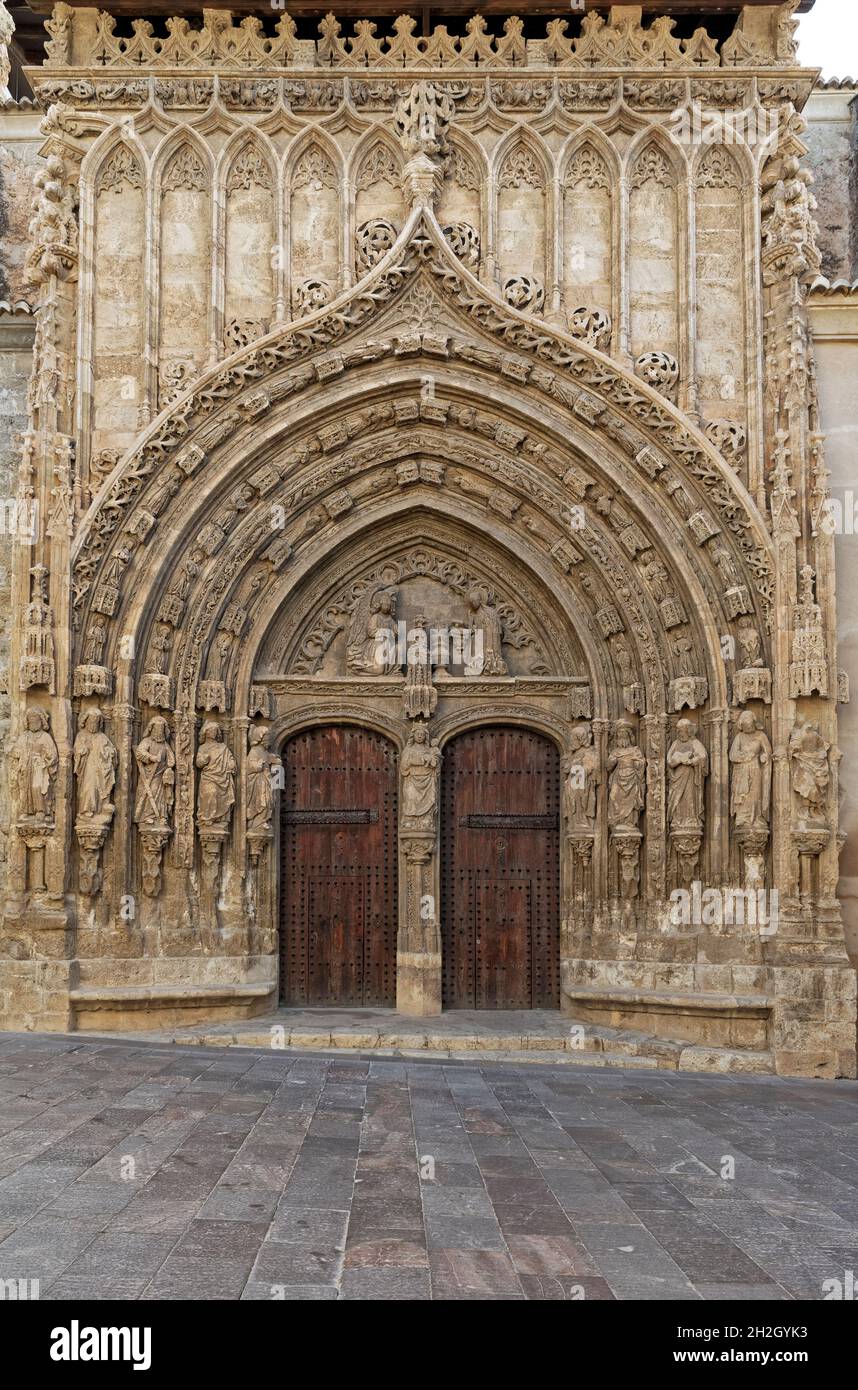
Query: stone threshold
[[540, 1036]]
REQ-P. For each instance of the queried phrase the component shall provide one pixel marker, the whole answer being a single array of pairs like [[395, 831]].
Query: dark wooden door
[[500, 871], [338, 904]]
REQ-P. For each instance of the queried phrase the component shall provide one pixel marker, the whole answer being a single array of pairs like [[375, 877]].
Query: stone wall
[[832, 145], [19, 143]]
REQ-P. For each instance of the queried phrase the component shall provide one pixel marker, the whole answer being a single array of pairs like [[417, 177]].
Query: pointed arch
[[247, 179], [523, 182], [114, 324], [722, 338], [464, 193], [656, 184], [186, 332], [314, 223], [590, 246]]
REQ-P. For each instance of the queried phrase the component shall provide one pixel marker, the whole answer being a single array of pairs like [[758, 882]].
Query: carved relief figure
[[155, 775], [216, 766], [751, 760], [33, 767], [487, 632], [95, 760], [626, 779], [260, 771], [688, 766], [582, 781], [370, 651], [419, 766], [810, 772]]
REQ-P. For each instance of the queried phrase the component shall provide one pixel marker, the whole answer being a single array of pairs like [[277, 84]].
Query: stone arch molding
[[589, 395], [630, 545]]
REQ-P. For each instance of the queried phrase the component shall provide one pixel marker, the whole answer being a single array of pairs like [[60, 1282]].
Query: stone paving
[[145, 1171]]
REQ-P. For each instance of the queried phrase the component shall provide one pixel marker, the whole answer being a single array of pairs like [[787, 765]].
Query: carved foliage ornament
[[621, 41]]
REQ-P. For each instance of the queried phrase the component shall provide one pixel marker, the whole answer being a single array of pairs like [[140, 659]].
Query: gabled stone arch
[[653, 415]]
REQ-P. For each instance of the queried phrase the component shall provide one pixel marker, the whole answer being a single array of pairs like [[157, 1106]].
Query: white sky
[[828, 38]]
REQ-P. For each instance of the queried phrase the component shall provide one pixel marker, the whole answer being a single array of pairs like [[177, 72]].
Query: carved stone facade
[[348, 341]]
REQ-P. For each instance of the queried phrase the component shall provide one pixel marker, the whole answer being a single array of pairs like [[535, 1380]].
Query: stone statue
[[419, 766], [155, 775], [96, 637], [33, 767], [810, 772], [750, 645], [487, 636], [220, 657], [626, 779], [159, 649], [688, 767], [260, 769], [216, 765], [623, 658], [95, 760], [371, 642], [582, 781], [683, 651], [751, 760]]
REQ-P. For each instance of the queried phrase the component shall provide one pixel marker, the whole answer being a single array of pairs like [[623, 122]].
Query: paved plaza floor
[[141, 1170]]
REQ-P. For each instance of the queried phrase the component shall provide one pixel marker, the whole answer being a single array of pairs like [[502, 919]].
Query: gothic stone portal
[[523, 363]]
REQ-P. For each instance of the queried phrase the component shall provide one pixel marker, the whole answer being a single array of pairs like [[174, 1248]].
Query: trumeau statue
[[155, 775], [33, 767], [688, 766], [260, 770], [216, 766], [419, 766], [626, 779], [751, 760], [95, 760]]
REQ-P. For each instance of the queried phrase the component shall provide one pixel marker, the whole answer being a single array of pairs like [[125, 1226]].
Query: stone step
[[580, 1045]]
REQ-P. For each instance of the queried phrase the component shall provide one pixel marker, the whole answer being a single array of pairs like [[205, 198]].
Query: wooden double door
[[500, 886]]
